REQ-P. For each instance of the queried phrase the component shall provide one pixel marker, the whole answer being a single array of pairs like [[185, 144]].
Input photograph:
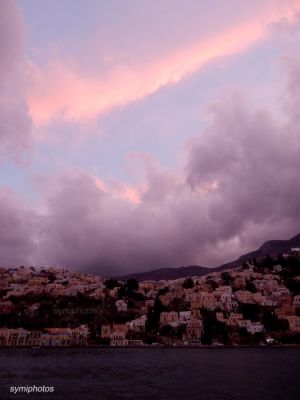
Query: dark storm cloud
[[239, 187], [17, 231]]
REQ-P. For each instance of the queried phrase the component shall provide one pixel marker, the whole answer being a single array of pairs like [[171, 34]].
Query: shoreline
[[155, 347]]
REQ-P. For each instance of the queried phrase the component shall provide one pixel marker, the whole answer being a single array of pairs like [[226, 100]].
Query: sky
[[137, 135]]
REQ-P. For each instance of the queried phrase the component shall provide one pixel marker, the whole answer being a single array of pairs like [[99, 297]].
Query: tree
[[51, 277], [250, 311], [213, 284], [268, 262], [243, 331], [250, 287], [208, 328], [111, 283], [293, 286], [188, 283], [162, 291], [153, 317], [167, 330], [130, 290], [226, 278], [272, 323], [132, 284]]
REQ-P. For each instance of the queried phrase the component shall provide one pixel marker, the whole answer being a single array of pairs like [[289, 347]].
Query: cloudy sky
[[139, 134]]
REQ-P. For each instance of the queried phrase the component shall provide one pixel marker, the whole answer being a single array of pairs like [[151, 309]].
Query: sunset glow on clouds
[[141, 134], [60, 91]]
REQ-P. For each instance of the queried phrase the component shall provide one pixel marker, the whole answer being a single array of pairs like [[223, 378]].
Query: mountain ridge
[[270, 247]]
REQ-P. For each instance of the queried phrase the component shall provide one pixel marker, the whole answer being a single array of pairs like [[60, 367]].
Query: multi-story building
[[296, 301], [194, 330], [169, 318], [138, 324], [121, 305], [294, 323], [116, 333], [184, 316]]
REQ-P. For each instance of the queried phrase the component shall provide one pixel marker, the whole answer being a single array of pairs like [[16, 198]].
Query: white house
[[137, 324], [297, 301], [185, 316], [121, 305], [169, 318]]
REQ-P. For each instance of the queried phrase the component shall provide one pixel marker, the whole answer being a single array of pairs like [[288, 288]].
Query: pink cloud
[[60, 91], [132, 194], [123, 191]]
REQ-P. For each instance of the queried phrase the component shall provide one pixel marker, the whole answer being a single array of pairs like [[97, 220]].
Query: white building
[[184, 316], [121, 305], [169, 318], [138, 324]]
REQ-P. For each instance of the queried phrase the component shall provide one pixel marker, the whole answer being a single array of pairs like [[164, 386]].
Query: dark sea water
[[209, 374]]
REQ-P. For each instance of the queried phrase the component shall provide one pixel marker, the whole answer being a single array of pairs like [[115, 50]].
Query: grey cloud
[[15, 122], [239, 187], [17, 244]]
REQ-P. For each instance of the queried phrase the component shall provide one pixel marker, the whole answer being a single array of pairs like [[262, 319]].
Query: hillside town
[[257, 303]]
